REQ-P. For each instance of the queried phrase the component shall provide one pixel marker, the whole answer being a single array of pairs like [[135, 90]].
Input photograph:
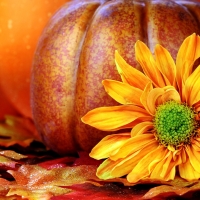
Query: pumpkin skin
[[21, 25], [76, 52]]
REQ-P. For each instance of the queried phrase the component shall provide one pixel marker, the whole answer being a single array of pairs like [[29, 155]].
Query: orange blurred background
[[21, 23]]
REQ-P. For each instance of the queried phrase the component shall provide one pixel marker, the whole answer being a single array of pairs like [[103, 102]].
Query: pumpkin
[[76, 52], [21, 25]]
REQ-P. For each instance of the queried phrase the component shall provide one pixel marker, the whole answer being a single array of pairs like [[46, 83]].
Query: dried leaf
[[164, 191], [109, 191], [12, 154], [9, 159], [35, 182], [16, 130], [4, 186], [57, 163]]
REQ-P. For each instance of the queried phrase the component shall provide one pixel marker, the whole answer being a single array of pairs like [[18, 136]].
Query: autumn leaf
[[57, 162], [34, 182], [42, 174], [164, 191], [16, 130], [9, 159], [109, 191]]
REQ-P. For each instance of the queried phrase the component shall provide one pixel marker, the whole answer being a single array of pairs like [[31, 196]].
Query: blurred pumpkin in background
[[76, 52], [21, 23]]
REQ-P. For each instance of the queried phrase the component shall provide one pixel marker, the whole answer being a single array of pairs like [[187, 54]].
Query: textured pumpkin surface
[[21, 25], [76, 52]]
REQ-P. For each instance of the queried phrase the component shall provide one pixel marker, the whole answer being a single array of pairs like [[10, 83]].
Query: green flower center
[[174, 123]]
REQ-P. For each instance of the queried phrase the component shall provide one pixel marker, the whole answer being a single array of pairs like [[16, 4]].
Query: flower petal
[[129, 74], [144, 96], [141, 170], [132, 145], [141, 128], [122, 92], [166, 65], [135, 122], [187, 54], [109, 145], [192, 87], [169, 94], [152, 99], [166, 169], [105, 168], [187, 172], [194, 158], [161, 170], [148, 64], [112, 118], [126, 165]]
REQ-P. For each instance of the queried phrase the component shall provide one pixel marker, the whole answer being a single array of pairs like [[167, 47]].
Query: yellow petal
[[137, 121], [122, 92], [129, 74], [194, 158], [148, 64], [141, 128], [109, 145], [104, 170], [166, 65], [126, 165], [133, 144], [152, 99], [184, 156], [196, 144], [113, 118], [144, 97], [169, 94], [165, 169], [187, 54], [187, 172], [192, 87], [141, 170]]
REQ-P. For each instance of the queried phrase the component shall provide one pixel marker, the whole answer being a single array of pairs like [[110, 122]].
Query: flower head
[[161, 109]]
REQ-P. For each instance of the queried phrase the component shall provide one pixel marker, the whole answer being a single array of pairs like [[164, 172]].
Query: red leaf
[[57, 163], [85, 159]]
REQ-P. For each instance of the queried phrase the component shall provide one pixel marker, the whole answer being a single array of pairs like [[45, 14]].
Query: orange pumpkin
[[21, 24], [76, 52]]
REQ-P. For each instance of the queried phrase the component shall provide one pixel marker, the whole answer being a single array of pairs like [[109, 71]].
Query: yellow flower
[[161, 109]]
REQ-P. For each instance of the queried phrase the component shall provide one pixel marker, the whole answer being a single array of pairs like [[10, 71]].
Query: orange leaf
[[15, 130], [35, 182]]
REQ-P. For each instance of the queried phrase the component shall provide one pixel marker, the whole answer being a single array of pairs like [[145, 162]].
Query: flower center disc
[[174, 123]]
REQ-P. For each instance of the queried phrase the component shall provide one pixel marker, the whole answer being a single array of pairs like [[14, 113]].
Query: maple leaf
[[56, 180], [65, 178], [8, 159], [35, 182], [17, 130]]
